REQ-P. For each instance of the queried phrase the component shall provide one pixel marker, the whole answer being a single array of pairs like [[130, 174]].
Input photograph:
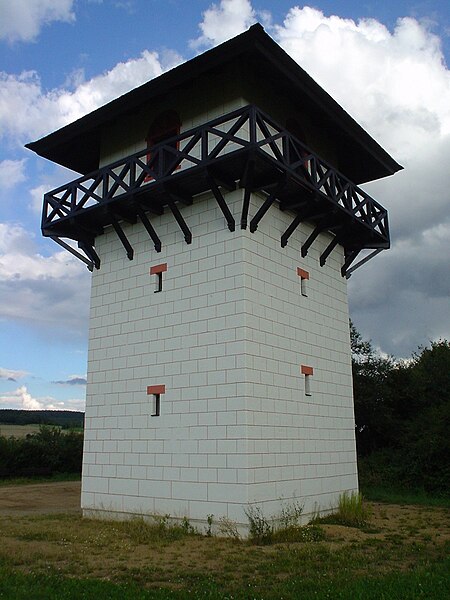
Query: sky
[[384, 62]]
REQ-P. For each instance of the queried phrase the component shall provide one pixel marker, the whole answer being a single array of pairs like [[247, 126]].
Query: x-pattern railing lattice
[[247, 128]]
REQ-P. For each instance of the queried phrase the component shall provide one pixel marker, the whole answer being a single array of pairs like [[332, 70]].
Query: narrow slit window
[[304, 278], [156, 405], [307, 385], [155, 391], [308, 372], [158, 282], [157, 271]]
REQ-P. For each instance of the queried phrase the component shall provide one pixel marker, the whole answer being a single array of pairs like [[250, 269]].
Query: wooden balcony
[[244, 149]]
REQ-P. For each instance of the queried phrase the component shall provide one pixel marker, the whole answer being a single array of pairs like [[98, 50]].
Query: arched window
[[166, 125]]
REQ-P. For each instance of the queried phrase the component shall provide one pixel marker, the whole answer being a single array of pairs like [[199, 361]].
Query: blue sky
[[384, 62]]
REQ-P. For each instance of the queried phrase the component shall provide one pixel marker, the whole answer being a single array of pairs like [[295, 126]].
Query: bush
[[260, 530], [43, 453]]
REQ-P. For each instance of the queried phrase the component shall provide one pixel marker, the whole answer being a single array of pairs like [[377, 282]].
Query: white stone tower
[[219, 211]]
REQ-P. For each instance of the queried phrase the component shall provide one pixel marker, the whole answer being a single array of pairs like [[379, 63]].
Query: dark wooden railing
[[244, 148]]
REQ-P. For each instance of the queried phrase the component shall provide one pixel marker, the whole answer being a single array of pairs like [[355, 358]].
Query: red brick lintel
[[302, 273], [306, 370], [156, 389], [158, 269]]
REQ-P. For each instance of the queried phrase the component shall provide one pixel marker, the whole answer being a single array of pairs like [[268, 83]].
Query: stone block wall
[[222, 343]]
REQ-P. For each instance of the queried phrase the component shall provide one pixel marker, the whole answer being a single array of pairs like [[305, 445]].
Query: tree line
[[402, 415], [63, 418]]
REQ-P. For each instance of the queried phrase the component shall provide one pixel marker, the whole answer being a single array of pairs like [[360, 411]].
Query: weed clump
[[284, 527], [295, 533], [260, 530], [228, 528], [160, 528], [351, 512]]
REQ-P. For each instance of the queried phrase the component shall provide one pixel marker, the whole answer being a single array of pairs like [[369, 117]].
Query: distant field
[[18, 431]]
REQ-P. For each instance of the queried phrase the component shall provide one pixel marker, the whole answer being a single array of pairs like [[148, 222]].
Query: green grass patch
[[351, 512], [158, 529], [392, 495], [295, 533], [19, 586], [430, 581]]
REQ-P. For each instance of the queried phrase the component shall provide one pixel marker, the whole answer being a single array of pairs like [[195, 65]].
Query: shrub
[[284, 527], [260, 530], [48, 451]]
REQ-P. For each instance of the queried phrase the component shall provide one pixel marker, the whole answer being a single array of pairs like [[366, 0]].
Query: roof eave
[[254, 41]]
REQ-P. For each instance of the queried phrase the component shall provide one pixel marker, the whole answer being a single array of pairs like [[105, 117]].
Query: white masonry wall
[[301, 447], [226, 337]]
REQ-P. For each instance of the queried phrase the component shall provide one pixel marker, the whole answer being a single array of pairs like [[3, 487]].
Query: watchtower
[[219, 211]]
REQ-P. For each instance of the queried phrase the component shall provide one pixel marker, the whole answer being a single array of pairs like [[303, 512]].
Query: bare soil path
[[40, 498]]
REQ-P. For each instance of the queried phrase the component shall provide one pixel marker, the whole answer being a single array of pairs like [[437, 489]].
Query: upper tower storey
[[243, 114]]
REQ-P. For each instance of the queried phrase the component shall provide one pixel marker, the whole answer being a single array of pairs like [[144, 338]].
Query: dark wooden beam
[[246, 183], [222, 204], [150, 230], [261, 212], [181, 222], [89, 263], [328, 250], [290, 230], [123, 238], [349, 258], [362, 262], [90, 252]]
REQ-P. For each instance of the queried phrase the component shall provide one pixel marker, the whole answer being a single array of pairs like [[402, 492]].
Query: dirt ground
[[385, 519], [42, 532], [40, 498]]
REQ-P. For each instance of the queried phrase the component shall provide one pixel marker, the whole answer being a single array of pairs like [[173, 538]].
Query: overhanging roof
[[77, 145]]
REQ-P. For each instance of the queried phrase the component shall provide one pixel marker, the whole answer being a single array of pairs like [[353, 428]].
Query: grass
[[392, 495], [39, 479], [55, 557], [18, 431], [428, 582], [351, 512]]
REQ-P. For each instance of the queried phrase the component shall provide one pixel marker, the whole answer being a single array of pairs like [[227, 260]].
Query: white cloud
[[37, 196], [22, 399], [395, 83], [47, 291], [223, 21], [12, 172], [11, 374], [46, 181], [28, 111], [392, 81], [22, 20]]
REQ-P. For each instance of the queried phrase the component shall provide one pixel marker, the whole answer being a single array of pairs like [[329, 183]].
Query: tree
[[402, 414], [373, 402], [426, 440]]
